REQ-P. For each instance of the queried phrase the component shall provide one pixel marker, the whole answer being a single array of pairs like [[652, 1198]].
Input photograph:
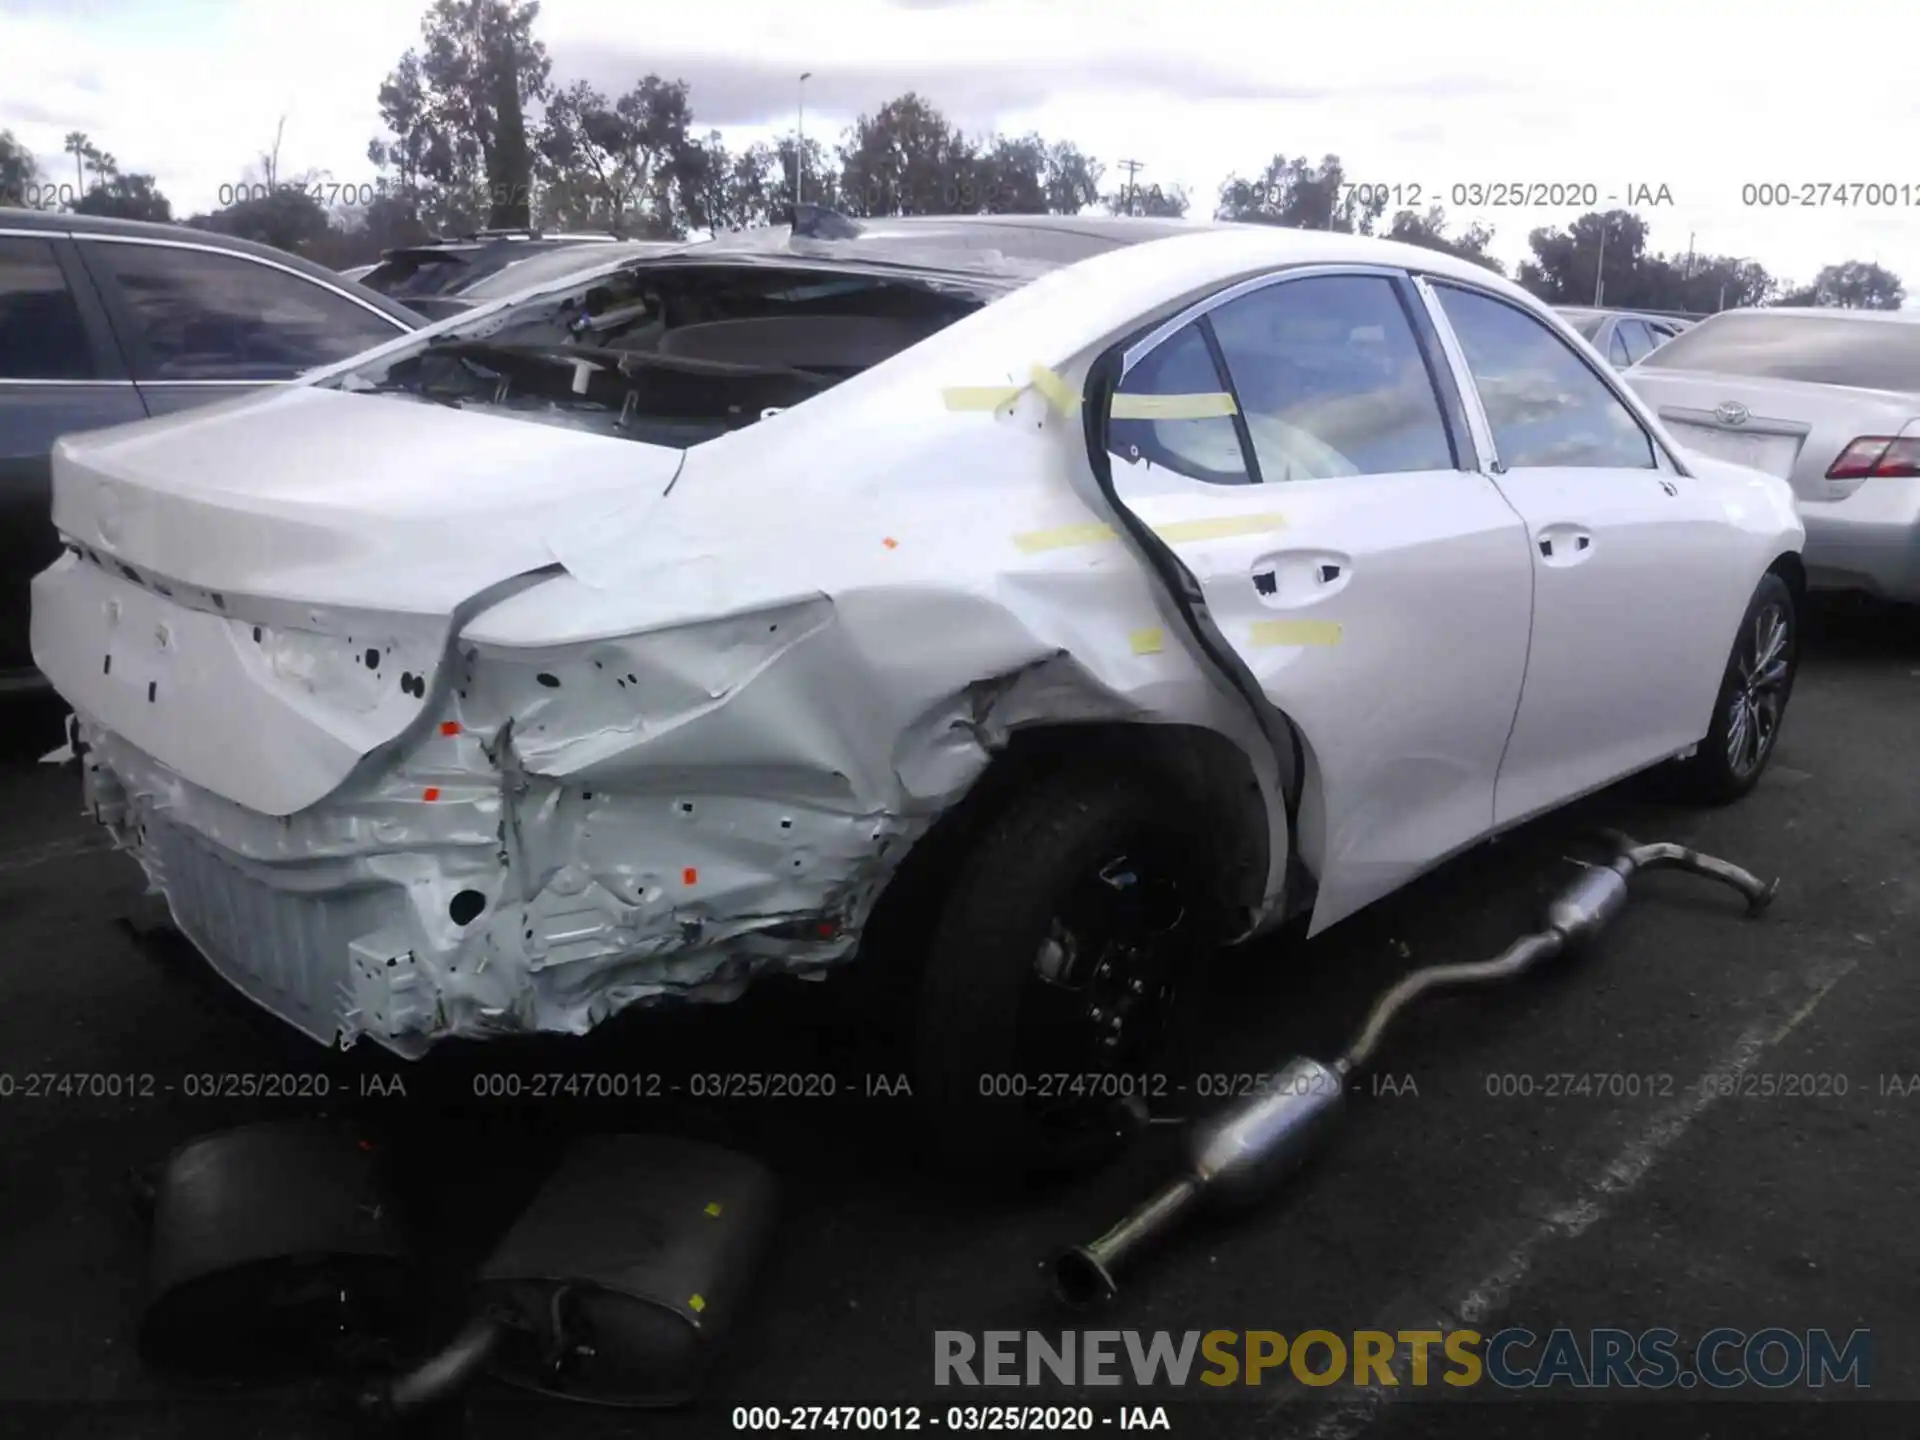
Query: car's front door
[[201, 324], [1635, 598], [59, 372], [1298, 444]]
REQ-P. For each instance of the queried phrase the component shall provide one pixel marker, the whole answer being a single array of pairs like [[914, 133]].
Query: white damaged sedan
[[1073, 594]]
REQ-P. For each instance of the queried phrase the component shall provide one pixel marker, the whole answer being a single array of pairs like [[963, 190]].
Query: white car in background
[[1829, 400], [1066, 595]]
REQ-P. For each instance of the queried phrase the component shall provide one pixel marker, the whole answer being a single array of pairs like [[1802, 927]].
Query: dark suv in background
[[103, 322]]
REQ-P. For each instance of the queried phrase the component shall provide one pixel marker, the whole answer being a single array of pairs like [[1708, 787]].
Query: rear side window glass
[[1617, 349], [1204, 448], [41, 334], [202, 315], [1873, 354]]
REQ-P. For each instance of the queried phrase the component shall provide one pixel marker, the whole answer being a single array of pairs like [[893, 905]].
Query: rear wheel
[[1752, 700], [1065, 949]]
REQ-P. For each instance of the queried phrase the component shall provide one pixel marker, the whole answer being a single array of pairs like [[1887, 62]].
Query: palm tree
[[77, 146]]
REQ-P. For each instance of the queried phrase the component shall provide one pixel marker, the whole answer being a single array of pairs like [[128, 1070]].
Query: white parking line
[[1472, 1303]]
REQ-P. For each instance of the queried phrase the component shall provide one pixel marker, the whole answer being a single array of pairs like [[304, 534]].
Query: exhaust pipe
[[1238, 1156]]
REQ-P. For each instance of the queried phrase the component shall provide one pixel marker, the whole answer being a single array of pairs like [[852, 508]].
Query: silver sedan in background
[[1625, 337], [1828, 400]]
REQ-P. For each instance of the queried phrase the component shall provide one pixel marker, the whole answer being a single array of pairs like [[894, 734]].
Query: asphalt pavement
[[1706, 1121]]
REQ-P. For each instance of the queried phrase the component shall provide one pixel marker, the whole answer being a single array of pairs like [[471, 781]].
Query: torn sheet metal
[[657, 816], [606, 794]]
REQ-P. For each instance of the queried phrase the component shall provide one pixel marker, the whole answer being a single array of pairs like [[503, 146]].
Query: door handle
[[1565, 544], [1288, 578]]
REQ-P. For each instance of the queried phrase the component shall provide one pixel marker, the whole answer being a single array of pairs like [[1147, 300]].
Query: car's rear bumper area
[[408, 913], [1869, 541]]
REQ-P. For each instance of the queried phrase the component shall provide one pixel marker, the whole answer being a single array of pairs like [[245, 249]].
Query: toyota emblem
[[1731, 412]]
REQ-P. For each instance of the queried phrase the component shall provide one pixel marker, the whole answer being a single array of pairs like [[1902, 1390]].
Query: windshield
[[1868, 354]]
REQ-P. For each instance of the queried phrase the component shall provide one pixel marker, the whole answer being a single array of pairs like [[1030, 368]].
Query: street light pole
[[1600, 269], [800, 141]]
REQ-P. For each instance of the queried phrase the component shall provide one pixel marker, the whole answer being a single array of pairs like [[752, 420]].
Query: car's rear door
[[60, 372], [1635, 594], [1297, 445], [200, 323]]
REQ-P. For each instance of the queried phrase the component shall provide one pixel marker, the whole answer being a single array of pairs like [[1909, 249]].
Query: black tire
[[996, 1033], [1734, 755]]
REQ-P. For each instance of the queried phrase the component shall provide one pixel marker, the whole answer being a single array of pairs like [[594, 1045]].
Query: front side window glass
[[1547, 409]]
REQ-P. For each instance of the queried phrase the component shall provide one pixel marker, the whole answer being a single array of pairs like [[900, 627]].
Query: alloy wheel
[[1763, 666]]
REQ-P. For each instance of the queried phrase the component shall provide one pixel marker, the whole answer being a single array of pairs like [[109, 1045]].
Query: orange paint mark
[[689, 876], [432, 792], [449, 727], [891, 543]]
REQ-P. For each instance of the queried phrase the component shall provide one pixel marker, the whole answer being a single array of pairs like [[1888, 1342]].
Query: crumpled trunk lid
[[374, 501], [262, 593]]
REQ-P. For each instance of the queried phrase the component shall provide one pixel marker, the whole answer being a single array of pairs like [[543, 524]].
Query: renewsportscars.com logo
[[1513, 1359]]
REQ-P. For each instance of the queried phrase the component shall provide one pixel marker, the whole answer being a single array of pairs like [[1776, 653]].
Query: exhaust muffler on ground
[[616, 1284], [1240, 1155], [273, 1251]]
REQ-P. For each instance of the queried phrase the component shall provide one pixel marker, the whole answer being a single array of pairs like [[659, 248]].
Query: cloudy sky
[[1701, 97]]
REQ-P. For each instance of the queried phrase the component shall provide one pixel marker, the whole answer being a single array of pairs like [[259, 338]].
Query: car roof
[[1583, 312], [484, 242], [995, 253], [54, 222], [1826, 312], [1009, 248], [1123, 229]]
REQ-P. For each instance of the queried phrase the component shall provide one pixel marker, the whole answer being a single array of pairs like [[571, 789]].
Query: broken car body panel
[[660, 717], [313, 594]]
